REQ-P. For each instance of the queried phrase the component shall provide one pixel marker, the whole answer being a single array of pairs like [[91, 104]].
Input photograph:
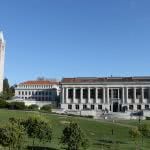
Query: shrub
[[17, 105], [33, 107], [3, 104], [46, 108], [73, 137], [38, 127]]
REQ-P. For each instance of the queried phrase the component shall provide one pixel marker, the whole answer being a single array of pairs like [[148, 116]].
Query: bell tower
[[2, 58]]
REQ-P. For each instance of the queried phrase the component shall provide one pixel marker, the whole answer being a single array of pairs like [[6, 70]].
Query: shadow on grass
[[40, 148], [108, 142]]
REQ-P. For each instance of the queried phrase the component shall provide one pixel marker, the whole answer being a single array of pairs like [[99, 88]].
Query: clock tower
[[2, 58]]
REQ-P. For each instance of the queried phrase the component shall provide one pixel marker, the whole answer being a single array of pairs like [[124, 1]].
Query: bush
[[46, 108], [17, 105], [33, 107], [3, 104], [147, 118], [38, 127]]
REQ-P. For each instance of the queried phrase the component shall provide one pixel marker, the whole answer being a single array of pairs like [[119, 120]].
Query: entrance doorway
[[115, 107]]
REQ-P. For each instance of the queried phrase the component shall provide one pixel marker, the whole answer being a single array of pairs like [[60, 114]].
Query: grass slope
[[99, 133]]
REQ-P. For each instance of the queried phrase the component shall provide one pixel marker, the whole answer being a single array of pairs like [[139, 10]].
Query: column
[[63, 100], [107, 96], [119, 93], [66, 95], [126, 95], [142, 95], [134, 97], [104, 95], [112, 93], [123, 96], [81, 95], [96, 95], [89, 95], [74, 94]]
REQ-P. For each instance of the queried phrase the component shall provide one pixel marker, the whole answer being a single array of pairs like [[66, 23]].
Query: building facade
[[38, 90], [114, 94], [2, 58]]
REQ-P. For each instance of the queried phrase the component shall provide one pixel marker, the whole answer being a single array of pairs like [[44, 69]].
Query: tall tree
[[5, 85], [73, 138]]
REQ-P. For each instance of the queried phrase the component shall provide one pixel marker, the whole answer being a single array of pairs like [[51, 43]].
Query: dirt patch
[[64, 122]]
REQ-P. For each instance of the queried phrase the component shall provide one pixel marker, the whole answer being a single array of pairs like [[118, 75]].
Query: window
[[85, 93], [139, 107], [146, 92], [77, 94], [29, 93], [19, 93], [100, 93], [99, 106], [146, 106], [25, 92], [130, 93], [32, 92], [84, 107], [115, 93], [109, 93], [70, 93], [131, 107], [22, 92], [69, 106], [138, 93], [92, 107], [92, 93], [77, 106], [39, 92]]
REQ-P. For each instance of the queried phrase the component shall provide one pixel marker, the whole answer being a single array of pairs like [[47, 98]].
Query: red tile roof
[[41, 82], [105, 79]]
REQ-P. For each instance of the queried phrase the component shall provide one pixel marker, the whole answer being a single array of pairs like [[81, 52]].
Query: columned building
[[109, 93], [2, 57], [38, 90]]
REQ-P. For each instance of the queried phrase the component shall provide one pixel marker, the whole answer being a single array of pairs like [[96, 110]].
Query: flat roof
[[106, 79]]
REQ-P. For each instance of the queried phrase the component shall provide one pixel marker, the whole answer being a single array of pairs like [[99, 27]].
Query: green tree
[[135, 135], [73, 138], [12, 135], [8, 92], [144, 130], [38, 128]]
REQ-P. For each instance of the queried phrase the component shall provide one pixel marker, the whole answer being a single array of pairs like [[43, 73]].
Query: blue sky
[[71, 38]]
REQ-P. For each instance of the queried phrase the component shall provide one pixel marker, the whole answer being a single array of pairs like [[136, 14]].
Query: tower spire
[[1, 36]]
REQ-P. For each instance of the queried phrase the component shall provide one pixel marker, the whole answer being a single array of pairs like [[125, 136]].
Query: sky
[[75, 38]]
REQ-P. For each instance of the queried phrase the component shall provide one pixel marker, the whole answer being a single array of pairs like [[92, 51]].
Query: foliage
[[144, 130], [73, 137], [8, 92], [12, 135], [134, 133], [47, 108], [17, 105], [37, 127], [33, 107], [3, 104]]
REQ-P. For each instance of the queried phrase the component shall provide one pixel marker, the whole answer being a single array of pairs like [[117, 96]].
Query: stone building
[[38, 90], [2, 58], [114, 94]]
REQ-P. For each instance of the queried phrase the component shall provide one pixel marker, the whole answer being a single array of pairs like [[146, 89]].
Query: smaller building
[[38, 90]]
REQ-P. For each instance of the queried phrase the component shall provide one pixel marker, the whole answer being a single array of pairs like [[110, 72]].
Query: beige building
[[114, 94], [2, 58], [42, 90]]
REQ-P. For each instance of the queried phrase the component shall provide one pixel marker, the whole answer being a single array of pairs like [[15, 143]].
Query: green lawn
[[99, 133]]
